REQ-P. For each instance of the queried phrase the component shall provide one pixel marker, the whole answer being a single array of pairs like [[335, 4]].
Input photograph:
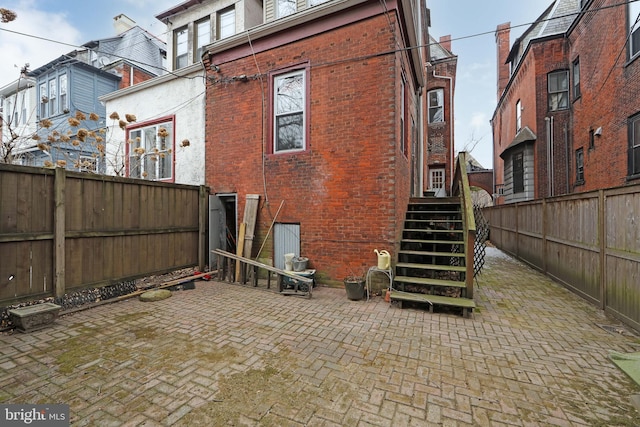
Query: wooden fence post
[[59, 232], [202, 226]]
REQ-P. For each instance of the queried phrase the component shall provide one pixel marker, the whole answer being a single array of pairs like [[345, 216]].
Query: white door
[[436, 182]]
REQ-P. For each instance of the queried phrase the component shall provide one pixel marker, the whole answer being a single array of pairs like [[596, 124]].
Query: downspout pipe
[[451, 141]]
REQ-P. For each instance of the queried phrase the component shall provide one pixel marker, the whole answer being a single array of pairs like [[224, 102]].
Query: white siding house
[[174, 101]]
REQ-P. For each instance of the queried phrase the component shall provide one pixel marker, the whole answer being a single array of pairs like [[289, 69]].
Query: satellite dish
[[103, 60]]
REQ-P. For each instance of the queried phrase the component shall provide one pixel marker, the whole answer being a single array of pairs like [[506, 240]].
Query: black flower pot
[[354, 288]]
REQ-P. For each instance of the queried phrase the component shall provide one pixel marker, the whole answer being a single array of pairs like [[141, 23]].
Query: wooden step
[[466, 304], [434, 212], [458, 268], [449, 242], [434, 200], [434, 221], [425, 281], [432, 230], [431, 254]]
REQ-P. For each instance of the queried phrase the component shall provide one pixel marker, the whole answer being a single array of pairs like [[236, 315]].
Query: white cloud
[[19, 49]]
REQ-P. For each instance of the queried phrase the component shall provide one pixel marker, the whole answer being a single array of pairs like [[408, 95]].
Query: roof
[[69, 59], [555, 20], [177, 9], [437, 51], [523, 136], [135, 45]]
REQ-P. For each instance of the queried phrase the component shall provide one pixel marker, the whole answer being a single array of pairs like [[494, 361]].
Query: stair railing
[[460, 187]]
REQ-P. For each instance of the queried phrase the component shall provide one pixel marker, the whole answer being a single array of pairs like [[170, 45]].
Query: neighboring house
[[178, 96], [71, 84], [18, 100], [321, 110], [441, 73], [568, 115]]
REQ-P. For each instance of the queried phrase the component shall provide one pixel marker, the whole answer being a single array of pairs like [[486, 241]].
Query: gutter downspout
[[451, 167], [550, 161]]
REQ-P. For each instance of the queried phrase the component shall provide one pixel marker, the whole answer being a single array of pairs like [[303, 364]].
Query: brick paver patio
[[532, 354]]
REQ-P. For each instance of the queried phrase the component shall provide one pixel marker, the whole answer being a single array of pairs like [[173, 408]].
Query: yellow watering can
[[384, 259]]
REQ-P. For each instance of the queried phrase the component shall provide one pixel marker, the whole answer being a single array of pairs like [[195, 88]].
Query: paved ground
[[533, 354]]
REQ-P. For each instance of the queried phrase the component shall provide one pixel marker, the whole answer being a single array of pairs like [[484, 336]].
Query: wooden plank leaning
[[306, 280]]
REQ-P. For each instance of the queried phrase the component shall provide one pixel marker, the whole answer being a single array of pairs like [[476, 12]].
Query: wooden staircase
[[432, 263]]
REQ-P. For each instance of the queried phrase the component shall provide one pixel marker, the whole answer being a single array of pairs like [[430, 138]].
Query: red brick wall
[[352, 183], [441, 136], [610, 94], [609, 86], [550, 56], [139, 75]]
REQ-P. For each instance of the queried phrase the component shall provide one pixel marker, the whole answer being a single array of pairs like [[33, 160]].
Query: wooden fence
[[62, 231], [590, 242]]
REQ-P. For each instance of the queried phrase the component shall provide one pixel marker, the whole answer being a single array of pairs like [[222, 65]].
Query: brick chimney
[[502, 44], [445, 42]]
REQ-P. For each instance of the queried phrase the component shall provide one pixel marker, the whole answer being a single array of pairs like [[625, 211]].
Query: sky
[[471, 24]]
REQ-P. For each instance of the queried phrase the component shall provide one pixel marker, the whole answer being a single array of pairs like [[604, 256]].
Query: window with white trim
[[63, 92], [203, 37], [289, 111], [53, 98], [151, 151], [634, 28], [44, 100], [518, 115], [285, 8], [226, 23], [558, 86], [181, 47], [436, 105]]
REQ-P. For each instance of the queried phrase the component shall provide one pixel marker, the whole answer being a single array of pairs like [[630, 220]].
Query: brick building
[[441, 73], [322, 108], [567, 118]]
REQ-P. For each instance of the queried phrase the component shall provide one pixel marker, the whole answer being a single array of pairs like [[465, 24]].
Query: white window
[[226, 23], [53, 99], [634, 29], [203, 37], [87, 164], [436, 105], [558, 85], [289, 107], [44, 100], [436, 179], [518, 115], [151, 151], [181, 47], [285, 8], [63, 93]]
